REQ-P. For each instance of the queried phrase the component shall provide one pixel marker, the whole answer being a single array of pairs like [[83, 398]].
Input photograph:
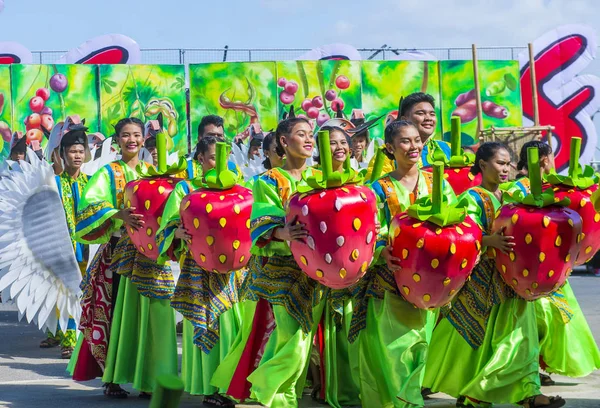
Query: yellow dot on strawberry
[[406, 290], [478, 245], [303, 260], [222, 197], [343, 273], [417, 224], [453, 248], [128, 203], [203, 257], [150, 247], [426, 297], [319, 273], [142, 250], [459, 230], [466, 224], [236, 244], [417, 277], [452, 292], [147, 204], [364, 266], [203, 195], [242, 258], [435, 263], [161, 190], [528, 239], [597, 217], [588, 249], [149, 232], [464, 263], [447, 281], [528, 292], [132, 230], [159, 220], [503, 267], [515, 282], [546, 221], [152, 182], [354, 254], [420, 243], [550, 273], [345, 190], [514, 218], [187, 205], [136, 188], [570, 222], [222, 222], [248, 223], [470, 176], [582, 202], [438, 231], [236, 209], [356, 224], [396, 232], [222, 258], [196, 223], [404, 253], [558, 241], [542, 257], [209, 208], [525, 273], [363, 196], [568, 258], [241, 197], [534, 285], [512, 256], [210, 240]]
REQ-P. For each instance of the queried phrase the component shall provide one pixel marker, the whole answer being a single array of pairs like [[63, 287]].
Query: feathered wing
[[38, 268], [249, 168], [106, 156]]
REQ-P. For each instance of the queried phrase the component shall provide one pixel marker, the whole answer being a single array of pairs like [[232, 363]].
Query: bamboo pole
[[477, 94], [534, 90]]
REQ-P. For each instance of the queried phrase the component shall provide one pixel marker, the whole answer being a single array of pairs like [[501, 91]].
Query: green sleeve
[[95, 222], [170, 220], [382, 217], [448, 192], [267, 214], [474, 210]]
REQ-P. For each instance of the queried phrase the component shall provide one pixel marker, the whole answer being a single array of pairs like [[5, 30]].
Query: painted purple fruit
[[58, 83], [330, 95], [306, 105], [291, 87], [286, 98], [313, 112], [317, 102], [281, 82], [323, 117], [46, 111]]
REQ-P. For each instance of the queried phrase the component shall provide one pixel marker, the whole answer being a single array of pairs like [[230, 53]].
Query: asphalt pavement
[[34, 377]]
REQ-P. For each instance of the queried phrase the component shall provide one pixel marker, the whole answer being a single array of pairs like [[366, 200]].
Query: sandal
[[145, 395], [114, 391], [50, 342], [546, 381], [315, 395], [66, 352], [426, 392], [217, 400], [555, 402]]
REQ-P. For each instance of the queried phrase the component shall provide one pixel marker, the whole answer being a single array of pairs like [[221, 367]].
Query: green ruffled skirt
[[143, 342], [566, 348], [504, 369], [392, 351], [197, 367]]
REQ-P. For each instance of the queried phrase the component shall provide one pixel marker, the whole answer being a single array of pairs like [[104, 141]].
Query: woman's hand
[[181, 233], [291, 231], [130, 219], [391, 261], [499, 241]]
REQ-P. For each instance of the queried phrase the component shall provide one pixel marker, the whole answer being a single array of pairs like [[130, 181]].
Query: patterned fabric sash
[[378, 280], [118, 183], [471, 307], [281, 282], [96, 304], [390, 196], [283, 185], [151, 279], [202, 297], [559, 301], [69, 191], [488, 209]]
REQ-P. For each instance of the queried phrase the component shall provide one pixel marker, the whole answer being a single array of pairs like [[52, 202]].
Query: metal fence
[[201, 55]]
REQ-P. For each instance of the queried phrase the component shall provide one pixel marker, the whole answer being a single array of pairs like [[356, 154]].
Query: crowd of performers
[[257, 334]]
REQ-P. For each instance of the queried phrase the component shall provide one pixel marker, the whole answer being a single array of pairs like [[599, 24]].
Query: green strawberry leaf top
[[458, 157], [435, 208], [578, 176], [220, 178]]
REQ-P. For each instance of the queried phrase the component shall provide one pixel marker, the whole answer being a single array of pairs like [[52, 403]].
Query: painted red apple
[[342, 82], [322, 118], [281, 82], [306, 105], [33, 121], [286, 98], [291, 87], [36, 104], [34, 135], [317, 102], [43, 93], [337, 104], [313, 112], [47, 122]]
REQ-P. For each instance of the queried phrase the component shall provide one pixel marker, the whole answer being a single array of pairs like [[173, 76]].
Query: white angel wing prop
[[172, 158], [37, 261], [249, 168], [106, 156]]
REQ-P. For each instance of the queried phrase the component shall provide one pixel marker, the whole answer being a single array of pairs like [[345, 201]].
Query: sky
[[64, 24]]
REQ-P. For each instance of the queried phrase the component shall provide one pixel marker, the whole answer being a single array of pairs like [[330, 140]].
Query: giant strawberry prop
[[545, 233], [578, 186], [218, 219], [149, 194], [438, 245], [458, 168], [339, 215]]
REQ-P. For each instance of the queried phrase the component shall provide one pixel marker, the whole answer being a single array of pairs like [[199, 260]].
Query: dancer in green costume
[[567, 345], [206, 300], [392, 335], [486, 350], [142, 343]]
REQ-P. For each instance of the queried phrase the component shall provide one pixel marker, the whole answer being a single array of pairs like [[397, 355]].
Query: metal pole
[[225, 53]]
